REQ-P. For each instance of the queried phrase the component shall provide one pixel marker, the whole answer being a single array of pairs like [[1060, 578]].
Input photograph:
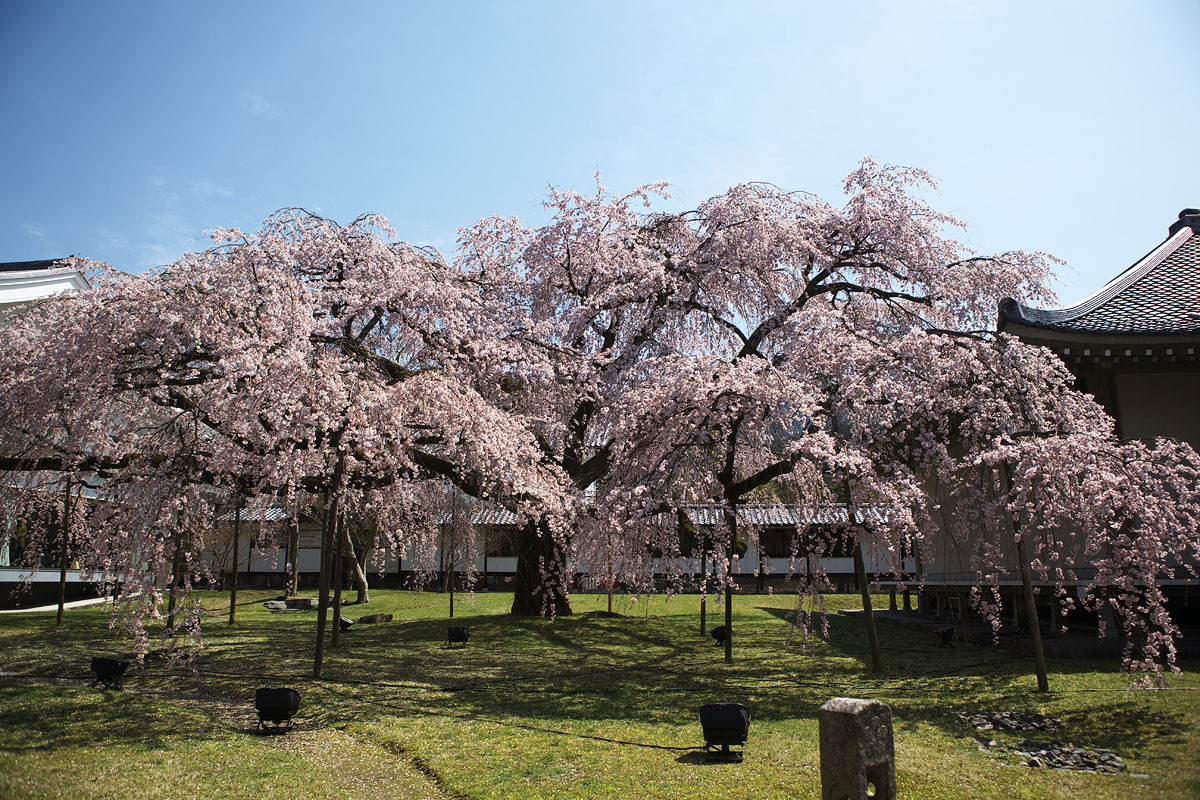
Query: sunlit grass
[[579, 707]]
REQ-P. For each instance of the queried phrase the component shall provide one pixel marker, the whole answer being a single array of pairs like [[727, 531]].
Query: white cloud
[[32, 231], [259, 106], [206, 188]]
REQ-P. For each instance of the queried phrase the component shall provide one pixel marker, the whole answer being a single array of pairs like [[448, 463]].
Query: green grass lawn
[[578, 707]]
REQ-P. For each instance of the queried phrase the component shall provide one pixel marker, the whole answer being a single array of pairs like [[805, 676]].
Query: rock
[[1034, 762], [371, 619], [857, 748], [276, 605], [301, 603]]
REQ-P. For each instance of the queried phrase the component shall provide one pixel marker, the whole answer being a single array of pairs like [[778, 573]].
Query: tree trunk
[[1035, 630], [64, 530], [868, 612], [356, 567], [703, 591], [531, 596], [237, 531]]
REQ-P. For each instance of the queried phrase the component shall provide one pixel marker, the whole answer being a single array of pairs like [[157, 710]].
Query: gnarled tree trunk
[[532, 595]]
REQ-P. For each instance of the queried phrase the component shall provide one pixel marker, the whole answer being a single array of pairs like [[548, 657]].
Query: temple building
[[1133, 345]]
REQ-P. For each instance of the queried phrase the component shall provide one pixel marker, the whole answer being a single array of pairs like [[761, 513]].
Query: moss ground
[[579, 707]]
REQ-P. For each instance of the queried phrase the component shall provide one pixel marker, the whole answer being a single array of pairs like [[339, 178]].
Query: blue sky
[[131, 128]]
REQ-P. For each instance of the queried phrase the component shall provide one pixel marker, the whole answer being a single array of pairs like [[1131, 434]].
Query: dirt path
[[360, 768]]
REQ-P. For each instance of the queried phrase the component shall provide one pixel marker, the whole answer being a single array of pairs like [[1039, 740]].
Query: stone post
[[858, 754]]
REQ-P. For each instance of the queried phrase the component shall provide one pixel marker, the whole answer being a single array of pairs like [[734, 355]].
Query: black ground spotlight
[[276, 707], [345, 623], [719, 633], [457, 634], [108, 672], [725, 725]]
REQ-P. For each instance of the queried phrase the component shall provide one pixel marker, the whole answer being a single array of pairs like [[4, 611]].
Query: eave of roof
[[1159, 296], [26, 281], [29, 266]]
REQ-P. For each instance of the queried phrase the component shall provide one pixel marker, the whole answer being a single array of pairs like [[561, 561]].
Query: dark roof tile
[[1158, 295]]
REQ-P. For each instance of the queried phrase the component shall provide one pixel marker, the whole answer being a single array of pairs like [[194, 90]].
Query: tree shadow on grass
[[930, 685], [575, 672], [47, 718]]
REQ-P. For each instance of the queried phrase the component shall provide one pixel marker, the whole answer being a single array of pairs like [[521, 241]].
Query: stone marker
[[373, 618], [303, 603], [857, 750], [276, 605]]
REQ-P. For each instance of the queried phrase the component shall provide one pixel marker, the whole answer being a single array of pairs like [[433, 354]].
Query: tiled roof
[[268, 514], [1158, 295], [759, 515], [781, 514], [490, 515]]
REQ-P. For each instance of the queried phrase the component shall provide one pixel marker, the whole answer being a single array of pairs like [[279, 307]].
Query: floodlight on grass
[[108, 672], [457, 634], [276, 707], [345, 623], [946, 635], [725, 725], [719, 633]]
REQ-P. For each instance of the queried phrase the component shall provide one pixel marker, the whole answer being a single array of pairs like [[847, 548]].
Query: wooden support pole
[[65, 531], [731, 550], [1035, 630], [337, 572], [323, 584], [293, 584], [868, 613], [237, 532]]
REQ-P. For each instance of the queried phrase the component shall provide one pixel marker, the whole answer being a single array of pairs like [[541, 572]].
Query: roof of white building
[[25, 281]]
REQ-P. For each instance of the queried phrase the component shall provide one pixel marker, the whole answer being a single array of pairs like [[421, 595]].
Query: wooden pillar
[[293, 584], [65, 531], [237, 531], [337, 573], [868, 613]]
